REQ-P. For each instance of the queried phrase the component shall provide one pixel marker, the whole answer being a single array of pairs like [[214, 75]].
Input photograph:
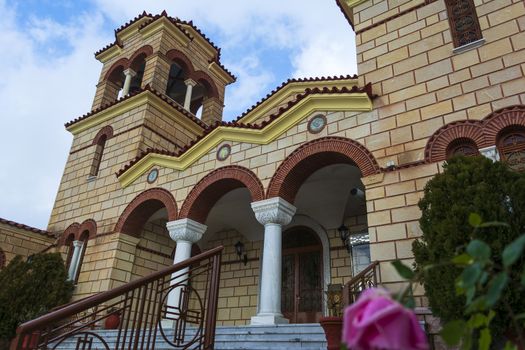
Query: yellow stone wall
[[432, 86], [16, 241]]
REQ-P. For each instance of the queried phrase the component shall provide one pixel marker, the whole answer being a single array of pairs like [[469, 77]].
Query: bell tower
[[169, 56]]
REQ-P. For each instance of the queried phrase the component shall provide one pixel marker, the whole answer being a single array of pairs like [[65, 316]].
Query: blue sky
[[49, 72]]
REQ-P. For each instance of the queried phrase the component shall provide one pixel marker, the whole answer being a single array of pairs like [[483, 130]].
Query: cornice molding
[[351, 101]]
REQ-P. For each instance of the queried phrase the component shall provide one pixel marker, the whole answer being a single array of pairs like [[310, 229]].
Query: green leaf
[[512, 252], [479, 304], [474, 220], [493, 224], [485, 338], [477, 320], [510, 346], [470, 275], [462, 259], [496, 286], [403, 270], [452, 332], [479, 250]]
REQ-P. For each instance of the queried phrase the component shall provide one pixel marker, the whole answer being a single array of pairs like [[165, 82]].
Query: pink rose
[[375, 321]]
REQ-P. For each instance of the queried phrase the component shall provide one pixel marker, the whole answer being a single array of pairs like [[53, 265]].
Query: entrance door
[[302, 288]]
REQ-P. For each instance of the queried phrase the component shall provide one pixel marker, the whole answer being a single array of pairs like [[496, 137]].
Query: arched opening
[[176, 88], [511, 146], [138, 65], [322, 179], [115, 80], [222, 201], [462, 147], [145, 218], [100, 143], [302, 275]]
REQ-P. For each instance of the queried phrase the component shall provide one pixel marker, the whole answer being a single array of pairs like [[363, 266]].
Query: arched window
[[70, 248], [138, 66], [462, 146], [2, 259], [511, 146], [100, 143], [463, 20], [176, 88], [84, 239]]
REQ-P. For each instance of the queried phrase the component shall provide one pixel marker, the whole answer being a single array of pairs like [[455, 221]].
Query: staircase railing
[[363, 280], [145, 316]]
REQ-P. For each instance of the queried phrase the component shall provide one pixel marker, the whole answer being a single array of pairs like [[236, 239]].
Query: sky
[[48, 71]]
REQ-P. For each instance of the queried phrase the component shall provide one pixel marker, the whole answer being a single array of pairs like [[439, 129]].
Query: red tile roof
[[166, 99], [293, 80], [235, 124], [344, 13], [27, 228]]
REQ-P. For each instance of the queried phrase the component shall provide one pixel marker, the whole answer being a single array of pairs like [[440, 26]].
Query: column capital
[[190, 81], [186, 230], [129, 72], [77, 244], [273, 211], [490, 152]]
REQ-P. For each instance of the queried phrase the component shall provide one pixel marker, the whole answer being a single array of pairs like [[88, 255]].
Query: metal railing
[[144, 313], [363, 280]]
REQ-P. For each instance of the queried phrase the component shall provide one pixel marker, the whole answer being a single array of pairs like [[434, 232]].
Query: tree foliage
[[496, 194], [30, 289]]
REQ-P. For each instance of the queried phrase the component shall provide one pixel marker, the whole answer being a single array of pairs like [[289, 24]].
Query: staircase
[[281, 337]]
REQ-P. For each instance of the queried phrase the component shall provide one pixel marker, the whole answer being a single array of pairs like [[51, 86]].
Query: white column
[[273, 213], [185, 232], [190, 83], [490, 152], [73, 265], [129, 73]]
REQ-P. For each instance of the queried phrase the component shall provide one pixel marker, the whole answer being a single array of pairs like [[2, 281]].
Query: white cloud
[[49, 74]]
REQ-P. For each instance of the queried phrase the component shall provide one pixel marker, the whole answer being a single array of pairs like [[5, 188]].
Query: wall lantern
[[239, 249], [344, 234]]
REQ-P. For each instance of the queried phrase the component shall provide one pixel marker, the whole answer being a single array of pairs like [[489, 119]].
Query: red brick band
[[483, 133], [314, 155], [216, 184], [140, 209]]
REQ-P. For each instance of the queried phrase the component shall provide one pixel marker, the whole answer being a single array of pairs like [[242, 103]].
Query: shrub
[[30, 289], [469, 185]]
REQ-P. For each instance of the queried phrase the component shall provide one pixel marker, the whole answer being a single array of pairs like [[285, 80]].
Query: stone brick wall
[[16, 241]]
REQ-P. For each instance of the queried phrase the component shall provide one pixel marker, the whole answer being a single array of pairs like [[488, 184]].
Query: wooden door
[[301, 296]]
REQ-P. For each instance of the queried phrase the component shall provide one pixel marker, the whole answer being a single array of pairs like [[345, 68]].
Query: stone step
[[280, 337]]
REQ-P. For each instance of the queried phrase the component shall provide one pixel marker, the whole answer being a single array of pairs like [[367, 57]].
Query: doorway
[[302, 278]]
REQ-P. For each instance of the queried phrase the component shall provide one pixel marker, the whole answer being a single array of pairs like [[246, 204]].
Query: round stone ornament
[[153, 175], [223, 152], [317, 124]]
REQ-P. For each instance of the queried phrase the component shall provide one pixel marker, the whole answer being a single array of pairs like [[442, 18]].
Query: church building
[[312, 185]]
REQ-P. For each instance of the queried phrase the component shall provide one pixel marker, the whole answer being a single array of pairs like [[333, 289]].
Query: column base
[[268, 320]]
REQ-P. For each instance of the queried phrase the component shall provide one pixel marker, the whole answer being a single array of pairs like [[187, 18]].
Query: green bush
[[469, 185], [30, 289]]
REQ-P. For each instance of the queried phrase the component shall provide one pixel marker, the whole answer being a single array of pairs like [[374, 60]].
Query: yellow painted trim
[[206, 46], [291, 89], [164, 24], [146, 97], [353, 3], [220, 72], [311, 103], [127, 32], [108, 54]]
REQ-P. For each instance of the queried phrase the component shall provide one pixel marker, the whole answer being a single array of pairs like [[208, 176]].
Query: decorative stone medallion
[[223, 152], [317, 124], [153, 175]]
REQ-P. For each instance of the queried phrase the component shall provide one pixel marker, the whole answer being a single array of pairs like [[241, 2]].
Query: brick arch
[[501, 119], [145, 50], [71, 230], [121, 63], [88, 225], [213, 186], [177, 56], [207, 82], [314, 155], [142, 207], [105, 131], [437, 145]]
